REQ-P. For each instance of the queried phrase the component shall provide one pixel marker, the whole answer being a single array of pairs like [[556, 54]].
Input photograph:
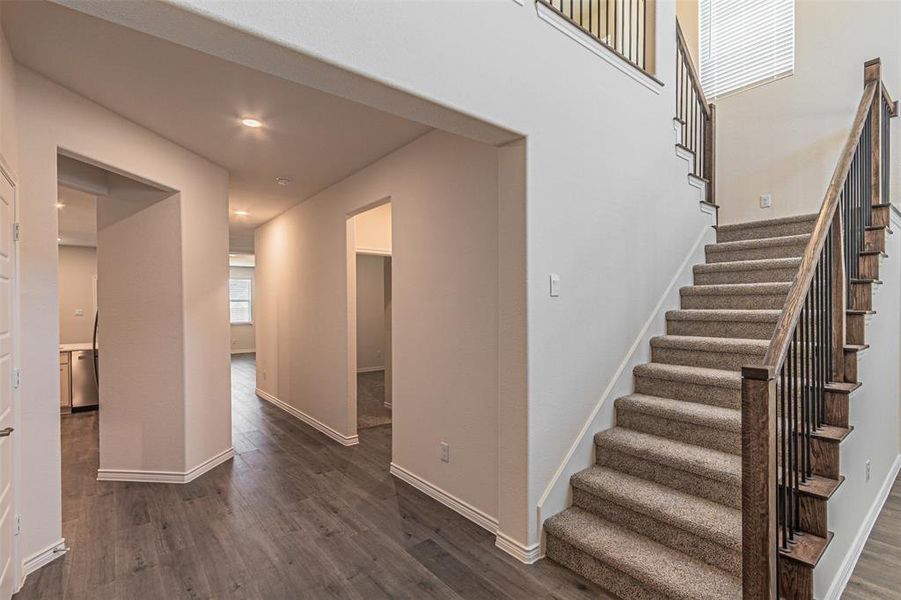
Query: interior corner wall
[[142, 383], [443, 191], [77, 273], [51, 117], [784, 137], [243, 335]]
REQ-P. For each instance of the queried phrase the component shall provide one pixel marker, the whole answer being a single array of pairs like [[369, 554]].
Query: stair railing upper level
[[623, 26], [696, 116], [786, 402]]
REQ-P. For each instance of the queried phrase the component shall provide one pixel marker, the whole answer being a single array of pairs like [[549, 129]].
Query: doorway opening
[[370, 306]]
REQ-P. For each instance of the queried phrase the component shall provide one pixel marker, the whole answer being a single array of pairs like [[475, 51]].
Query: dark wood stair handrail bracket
[[763, 550]]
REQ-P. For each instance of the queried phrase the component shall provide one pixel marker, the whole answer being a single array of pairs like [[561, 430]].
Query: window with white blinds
[[240, 300], [744, 43]]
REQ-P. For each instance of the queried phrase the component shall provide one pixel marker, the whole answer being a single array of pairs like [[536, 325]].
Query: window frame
[[249, 300]]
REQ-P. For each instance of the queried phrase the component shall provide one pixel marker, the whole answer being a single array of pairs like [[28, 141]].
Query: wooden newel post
[[872, 71], [758, 483]]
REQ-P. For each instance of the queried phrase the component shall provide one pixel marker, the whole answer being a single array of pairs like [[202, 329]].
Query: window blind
[[744, 43], [239, 300]]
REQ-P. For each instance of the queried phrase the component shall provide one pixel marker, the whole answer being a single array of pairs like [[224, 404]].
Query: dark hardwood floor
[[294, 515], [877, 575]]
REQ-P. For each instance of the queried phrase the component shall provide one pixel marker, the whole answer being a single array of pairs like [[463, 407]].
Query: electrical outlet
[[766, 200], [868, 470], [445, 452]]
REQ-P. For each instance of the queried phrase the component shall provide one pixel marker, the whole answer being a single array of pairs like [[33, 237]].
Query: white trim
[[449, 500], [243, 351], [165, 476], [524, 554], [572, 31], [558, 486], [43, 557], [370, 369], [847, 567], [373, 251], [344, 440]]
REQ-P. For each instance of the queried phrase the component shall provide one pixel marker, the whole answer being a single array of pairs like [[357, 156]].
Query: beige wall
[[784, 137], [687, 13], [51, 118], [443, 192], [243, 336], [372, 230], [370, 312], [77, 292]]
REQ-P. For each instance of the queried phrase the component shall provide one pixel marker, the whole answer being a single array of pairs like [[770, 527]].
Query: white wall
[[370, 312], [443, 192], [876, 417], [372, 230], [243, 335], [50, 118], [784, 137], [77, 275]]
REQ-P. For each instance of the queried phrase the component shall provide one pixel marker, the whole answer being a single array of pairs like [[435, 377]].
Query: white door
[[7, 264]]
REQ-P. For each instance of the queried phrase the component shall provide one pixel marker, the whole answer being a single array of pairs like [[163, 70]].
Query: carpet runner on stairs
[[659, 515]]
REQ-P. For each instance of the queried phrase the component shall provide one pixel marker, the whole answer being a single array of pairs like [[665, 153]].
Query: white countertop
[[74, 347]]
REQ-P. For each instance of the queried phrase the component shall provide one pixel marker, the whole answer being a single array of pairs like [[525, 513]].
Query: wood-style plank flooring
[[294, 515], [877, 575]]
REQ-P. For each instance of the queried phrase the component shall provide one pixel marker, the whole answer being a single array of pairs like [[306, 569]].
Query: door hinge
[[17, 231], [18, 527], [17, 378]]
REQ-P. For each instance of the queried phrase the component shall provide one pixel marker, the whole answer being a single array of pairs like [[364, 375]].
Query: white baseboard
[[449, 500], [524, 554], [344, 440], [43, 557], [370, 369], [860, 540], [165, 476], [244, 351]]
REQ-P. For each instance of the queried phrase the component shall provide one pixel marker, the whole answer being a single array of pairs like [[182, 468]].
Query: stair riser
[[795, 581], [689, 392], [770, 231], [590, 568], [748, 276], [880, 216], [733, 361], [855, 327], [722, 329], [662, 532], [869, 266], [837, 409], [874, 239], [812, 513], [744, 301], [851, 366], [787, 251], [690, 433], [861, 296], [703, 487], [825, 458]]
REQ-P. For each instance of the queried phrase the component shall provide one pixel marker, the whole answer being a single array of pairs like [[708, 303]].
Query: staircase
[[659, 515]]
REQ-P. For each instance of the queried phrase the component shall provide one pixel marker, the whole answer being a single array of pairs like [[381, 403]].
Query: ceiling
[[77, 217], [197, 100]]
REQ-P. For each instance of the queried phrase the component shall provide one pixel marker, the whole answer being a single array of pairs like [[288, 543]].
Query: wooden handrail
[[692, 70], [791, 312]]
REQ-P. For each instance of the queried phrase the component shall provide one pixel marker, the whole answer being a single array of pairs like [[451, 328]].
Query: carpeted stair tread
[[737, 289], [711, 344], [714, 417], [773, 242], [716, 522], [763, 264], [667, 571], [712, 464], [686, 374], [725, 314], [766, 228]]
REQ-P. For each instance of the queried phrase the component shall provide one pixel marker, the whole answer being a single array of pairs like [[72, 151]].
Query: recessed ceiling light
[[284, 180], [60, 205], [251, 122], [241, 213]]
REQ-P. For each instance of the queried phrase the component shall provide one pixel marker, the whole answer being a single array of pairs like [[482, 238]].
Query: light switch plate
[[766, 200], [555, 285]]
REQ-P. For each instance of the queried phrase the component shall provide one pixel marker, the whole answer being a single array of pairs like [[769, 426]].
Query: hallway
[[293, 516]]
